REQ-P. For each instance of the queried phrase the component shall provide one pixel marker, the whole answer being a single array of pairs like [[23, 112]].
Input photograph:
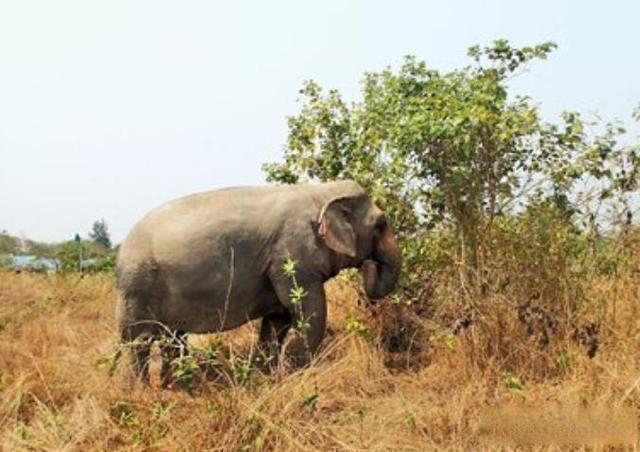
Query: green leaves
[[506, 59], [297, 294], [289, 267], [358, 327], [451, 149], [513, 383]]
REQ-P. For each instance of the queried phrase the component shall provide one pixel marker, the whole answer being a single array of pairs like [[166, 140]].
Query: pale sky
[[110, 108]]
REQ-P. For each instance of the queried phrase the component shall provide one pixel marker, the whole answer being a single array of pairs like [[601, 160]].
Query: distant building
[[88, 263], [29, 262]]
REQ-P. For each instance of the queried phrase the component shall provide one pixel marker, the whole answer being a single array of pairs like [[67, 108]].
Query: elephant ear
[[335, 228]]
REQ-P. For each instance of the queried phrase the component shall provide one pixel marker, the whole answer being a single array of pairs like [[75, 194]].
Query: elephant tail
[[137, 286]]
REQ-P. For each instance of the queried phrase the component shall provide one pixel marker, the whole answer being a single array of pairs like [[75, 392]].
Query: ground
[[57, 339]]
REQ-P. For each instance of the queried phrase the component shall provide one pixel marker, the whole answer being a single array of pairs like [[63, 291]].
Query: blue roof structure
[[27, 261]]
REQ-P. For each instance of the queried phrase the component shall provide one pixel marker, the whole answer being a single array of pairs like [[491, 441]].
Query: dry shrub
[[546, 292], [403, 336]]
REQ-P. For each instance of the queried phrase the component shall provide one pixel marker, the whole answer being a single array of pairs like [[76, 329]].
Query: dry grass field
[[385, 380]]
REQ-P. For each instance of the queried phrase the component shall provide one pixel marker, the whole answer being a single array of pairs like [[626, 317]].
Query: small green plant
[[210, 357], [358, 327], [241, 368], [564, 361], [123, 413], [254, 431], [310, 401], [148, 432], [289, 267], [513, 383], [301, 326], [296, 295], [162, 410], [450, 341], [185, 371], [258, 443], [211, 351], [21, 431], [410, 418], [214, 407], [106, 362], [159, 423]]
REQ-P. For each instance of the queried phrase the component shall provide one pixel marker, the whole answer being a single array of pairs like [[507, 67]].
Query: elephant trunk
[[381, 273]]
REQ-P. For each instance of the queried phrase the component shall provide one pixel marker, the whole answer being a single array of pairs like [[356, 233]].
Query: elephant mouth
[[381, 271]]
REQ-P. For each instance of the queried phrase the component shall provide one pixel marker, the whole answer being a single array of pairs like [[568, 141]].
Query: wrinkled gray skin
[[212, 261]]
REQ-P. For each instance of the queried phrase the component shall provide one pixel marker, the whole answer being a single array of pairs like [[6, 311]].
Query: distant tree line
[[93, 254]]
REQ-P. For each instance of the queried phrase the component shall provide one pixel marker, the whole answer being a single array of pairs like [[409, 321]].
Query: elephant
[[212, 261]]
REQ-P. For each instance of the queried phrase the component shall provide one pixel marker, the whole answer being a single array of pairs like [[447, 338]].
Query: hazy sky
[[110, 108]]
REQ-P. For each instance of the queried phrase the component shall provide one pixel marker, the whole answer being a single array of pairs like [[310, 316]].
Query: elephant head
[[355, 228], [380, 274]]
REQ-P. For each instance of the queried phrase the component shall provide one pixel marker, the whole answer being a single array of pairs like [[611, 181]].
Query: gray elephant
[[213, 261]]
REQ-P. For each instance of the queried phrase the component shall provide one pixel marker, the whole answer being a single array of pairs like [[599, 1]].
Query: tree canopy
[[454, 149], [100, 233]]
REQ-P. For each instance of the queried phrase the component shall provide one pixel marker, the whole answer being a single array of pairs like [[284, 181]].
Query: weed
[[512, 383], [564, 361], [123, 413], [310, 401], [185, 370], [358, 327]]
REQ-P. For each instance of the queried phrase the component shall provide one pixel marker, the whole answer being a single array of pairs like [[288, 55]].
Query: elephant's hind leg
[[138, 338], [171, 348], [140, 350]]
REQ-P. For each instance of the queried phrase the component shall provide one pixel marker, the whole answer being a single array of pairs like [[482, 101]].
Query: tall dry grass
[[385, 380]]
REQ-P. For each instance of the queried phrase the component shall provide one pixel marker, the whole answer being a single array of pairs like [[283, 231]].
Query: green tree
[[446, 149], [42, 249], [100, 233], [70, 255], [8, 244]]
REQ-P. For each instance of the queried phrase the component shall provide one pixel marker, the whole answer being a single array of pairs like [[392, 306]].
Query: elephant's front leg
[[308, 320], [273, 331]]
